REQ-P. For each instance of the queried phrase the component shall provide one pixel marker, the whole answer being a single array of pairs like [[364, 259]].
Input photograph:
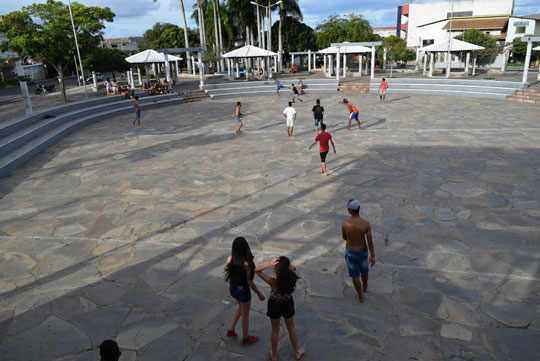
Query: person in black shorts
[[324, 138], [318, 113], [281, 303], [296, 94]]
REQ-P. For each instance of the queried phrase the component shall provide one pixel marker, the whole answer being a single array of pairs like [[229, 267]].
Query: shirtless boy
[[238, 116], [357, 233], [137, 107]]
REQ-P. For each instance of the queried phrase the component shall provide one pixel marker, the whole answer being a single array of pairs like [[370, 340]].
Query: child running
[[296, 94], [281, 303], [323, 138], [239, 116], [239, 272], [382, 90], [137, 107], [353, 113], [318, 113], [279, 86]]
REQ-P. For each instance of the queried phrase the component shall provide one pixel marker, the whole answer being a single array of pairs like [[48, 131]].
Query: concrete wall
[[423, 13]]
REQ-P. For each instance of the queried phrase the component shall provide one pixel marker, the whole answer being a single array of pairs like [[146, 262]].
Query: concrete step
[[395, 90], [488, 83], [451, 87], [254, 84], [266, 93], [23, 134], [358, 88], [22, 154]]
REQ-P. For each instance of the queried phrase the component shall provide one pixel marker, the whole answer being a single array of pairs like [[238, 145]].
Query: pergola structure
[[351, 48], [197, 50], [151, 57], [453, 45], [310, 54], [245, 52], [529, 40]]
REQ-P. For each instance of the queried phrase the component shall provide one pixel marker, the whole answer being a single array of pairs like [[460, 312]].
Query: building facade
[[519, 26], [129, 45], [413, 16]]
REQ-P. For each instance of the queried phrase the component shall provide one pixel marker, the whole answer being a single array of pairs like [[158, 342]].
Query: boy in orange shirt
[[353, 114]]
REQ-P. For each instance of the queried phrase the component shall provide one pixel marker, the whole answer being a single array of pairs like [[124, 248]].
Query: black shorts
[[277, 310], [323, 156]]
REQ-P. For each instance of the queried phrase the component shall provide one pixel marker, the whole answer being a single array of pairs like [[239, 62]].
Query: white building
[[411, 17], [385, 31], [129, 45], [519, 26]]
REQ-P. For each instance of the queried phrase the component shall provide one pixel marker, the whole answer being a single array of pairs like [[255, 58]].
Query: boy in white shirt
[[290, 114]]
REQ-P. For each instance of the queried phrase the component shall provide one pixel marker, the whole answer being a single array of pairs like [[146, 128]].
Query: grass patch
[[489, 78]]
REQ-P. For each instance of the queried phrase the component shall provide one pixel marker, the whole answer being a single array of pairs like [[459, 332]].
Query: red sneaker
[[231, 333], [249, 340]]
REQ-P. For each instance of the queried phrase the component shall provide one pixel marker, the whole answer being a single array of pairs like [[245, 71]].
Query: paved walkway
[[118, 231]]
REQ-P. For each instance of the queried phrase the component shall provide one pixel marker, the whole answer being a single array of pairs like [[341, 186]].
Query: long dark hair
[[241, 253], [285, 277]]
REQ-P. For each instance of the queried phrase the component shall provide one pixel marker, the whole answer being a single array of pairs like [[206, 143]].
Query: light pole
[[77, 46], [449, 59], [269, 12]]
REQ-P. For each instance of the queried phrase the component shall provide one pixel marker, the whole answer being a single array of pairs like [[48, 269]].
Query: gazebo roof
[[455, 45], [150, 56], [248, 51], [537, 48], [353, 49]]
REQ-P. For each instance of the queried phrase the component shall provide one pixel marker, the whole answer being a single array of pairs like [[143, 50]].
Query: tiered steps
[[23, 138], [194, 96], [241, 89], [531, 96], [452, 87], [358, 88]]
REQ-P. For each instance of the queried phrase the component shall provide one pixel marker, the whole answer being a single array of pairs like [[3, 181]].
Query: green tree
[[519, 48], [478, 37], [166, 35], [296, 35], [352, 28], [43, 31], [396, 49], [105, 59]]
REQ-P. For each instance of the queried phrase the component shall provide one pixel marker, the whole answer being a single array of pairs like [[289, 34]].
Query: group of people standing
[[240, 271]]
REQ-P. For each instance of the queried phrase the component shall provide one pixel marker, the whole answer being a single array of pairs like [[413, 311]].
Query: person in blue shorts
[[356, 232], [137, 107], [353, 114], [279, 86]]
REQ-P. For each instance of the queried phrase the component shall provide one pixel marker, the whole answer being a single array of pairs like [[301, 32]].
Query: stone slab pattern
[[118, 231]]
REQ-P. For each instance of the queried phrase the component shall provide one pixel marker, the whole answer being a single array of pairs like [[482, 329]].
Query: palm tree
[[188, 57], [287, 8]]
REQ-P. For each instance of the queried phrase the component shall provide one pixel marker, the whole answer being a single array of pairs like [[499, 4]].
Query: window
[[521, 29], [426, 42], [114, 46], [458, 14]]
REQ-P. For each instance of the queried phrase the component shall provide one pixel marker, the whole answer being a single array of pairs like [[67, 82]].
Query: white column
[[201, 70], [167, 68], [360, 57], [331, 66], [26, 97], [373, 62], [325, 67], [314, 61], [309, 60], [367, 65], [430, 64], [384, 60], [147, 71], [503, 66], [292, 60], [417, 66], [338, 61], [246, 62], [467, 60], [139, 75], [449, 64], [527, 62], [237, 69], [94, 78], [344, 65], [474, 65], [538, 77], [177, 69], [193, 65], [424, 55]]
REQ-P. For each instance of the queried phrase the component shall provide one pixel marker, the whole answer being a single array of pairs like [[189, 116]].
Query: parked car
[[89, 78]]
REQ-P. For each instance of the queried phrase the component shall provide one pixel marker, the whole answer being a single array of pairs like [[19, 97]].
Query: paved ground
[[123, 232]]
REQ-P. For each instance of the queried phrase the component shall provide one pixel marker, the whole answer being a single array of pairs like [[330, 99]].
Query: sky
[[133, 17]]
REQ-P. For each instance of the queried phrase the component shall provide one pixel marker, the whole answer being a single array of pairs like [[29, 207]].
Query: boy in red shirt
[[323, 137], [382, 90], [353, 113]]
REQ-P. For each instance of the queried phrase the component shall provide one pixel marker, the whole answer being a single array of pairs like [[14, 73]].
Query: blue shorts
[[318, 121], [240, 293], [354, 116], [280, 87], [357, 261], [138, 113]]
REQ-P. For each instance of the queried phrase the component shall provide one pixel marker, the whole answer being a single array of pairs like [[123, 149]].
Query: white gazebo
[[344, 48], [245, 52], [152, 57], [453, 45]]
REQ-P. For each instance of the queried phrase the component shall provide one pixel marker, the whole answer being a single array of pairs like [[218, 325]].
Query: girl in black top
[[239, 272], [281, 303]]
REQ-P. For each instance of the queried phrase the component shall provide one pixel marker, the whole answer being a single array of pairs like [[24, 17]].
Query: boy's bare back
[[356, 231]]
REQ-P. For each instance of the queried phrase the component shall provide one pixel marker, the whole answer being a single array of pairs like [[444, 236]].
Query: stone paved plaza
[[123, 232]]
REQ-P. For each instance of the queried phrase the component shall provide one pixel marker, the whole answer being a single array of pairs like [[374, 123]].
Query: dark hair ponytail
[[285, 277]]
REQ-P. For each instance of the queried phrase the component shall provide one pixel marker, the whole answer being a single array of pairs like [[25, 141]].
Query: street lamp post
[[269, 37], [449, 59], [77, 46]]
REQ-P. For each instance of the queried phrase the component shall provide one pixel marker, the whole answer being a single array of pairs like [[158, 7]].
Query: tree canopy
[[296, 35], [105, 59], [478, 37], [519, 48], [352, 28], [396, 49], [166, 35]]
